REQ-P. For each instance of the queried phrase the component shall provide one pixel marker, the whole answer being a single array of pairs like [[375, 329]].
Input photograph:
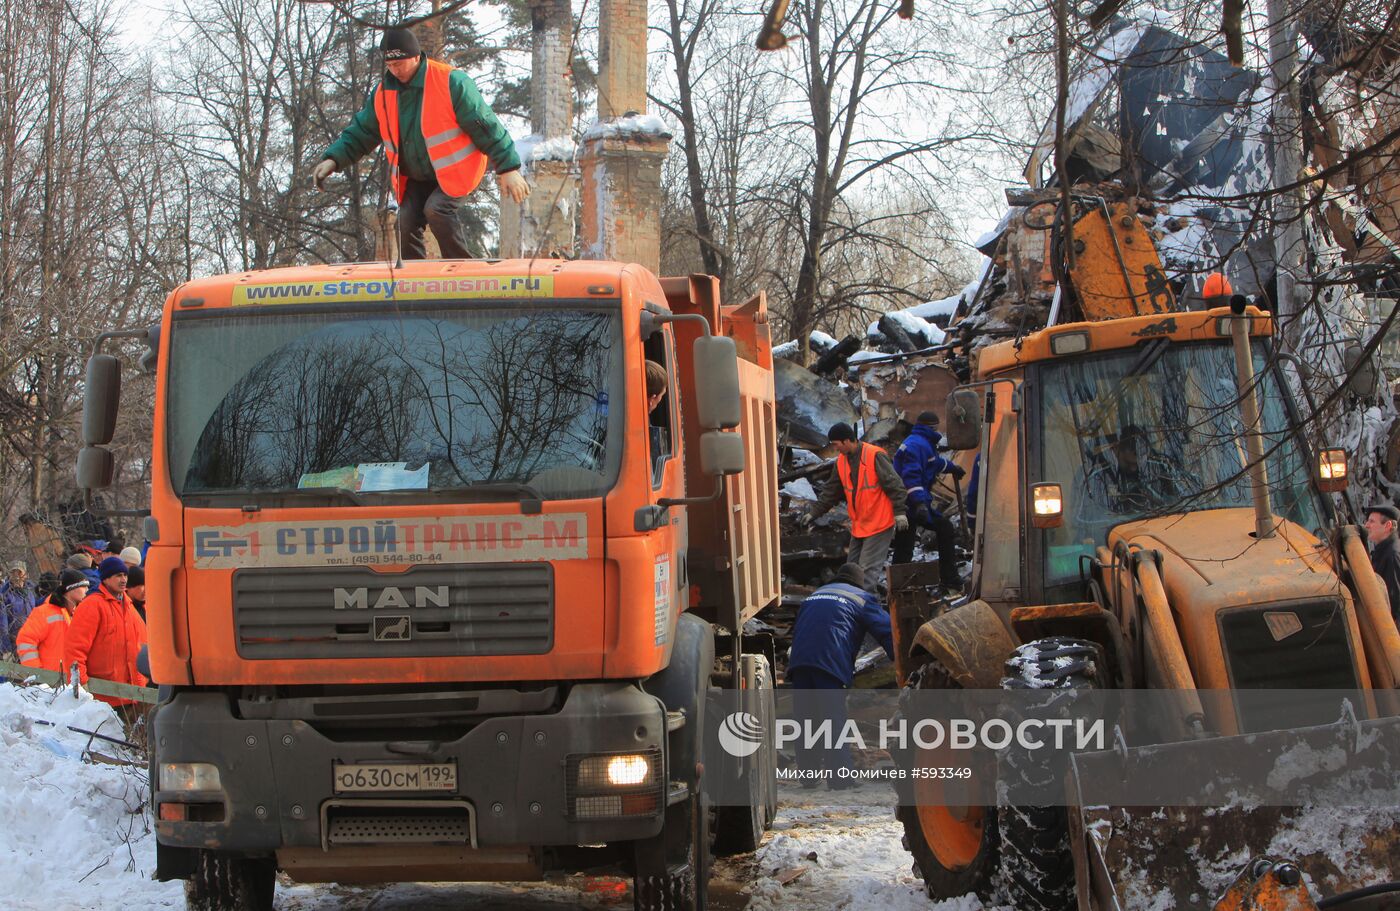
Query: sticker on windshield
[[393, 542], [401, 289], [368, 476]]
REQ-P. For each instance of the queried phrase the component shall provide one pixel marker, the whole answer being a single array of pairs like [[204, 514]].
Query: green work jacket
[[474, 115]]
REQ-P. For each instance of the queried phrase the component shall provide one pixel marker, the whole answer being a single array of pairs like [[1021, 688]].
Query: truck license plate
[[384, 776]]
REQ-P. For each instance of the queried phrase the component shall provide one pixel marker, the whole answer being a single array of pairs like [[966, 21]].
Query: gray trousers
[[424, 206], [871, 553]]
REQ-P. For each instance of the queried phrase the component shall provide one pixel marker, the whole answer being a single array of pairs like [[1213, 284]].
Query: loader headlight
[[1047, 506], [628, 770], [189, 776], [1332, 470]]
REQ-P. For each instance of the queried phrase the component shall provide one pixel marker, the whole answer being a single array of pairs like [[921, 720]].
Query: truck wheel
[[1037, 864], [224, 883], [954, 847], [672, 871], [739, 830]]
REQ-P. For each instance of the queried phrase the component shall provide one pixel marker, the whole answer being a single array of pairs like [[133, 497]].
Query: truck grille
[[354, 612], [1313, 653], [390, 823]]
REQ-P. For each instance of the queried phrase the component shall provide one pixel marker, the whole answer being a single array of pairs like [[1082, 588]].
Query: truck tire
[[224, 883], [672, 871], [1036, 862], [954, 849], [739, 829]]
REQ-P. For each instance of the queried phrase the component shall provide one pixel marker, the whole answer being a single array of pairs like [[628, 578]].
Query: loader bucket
[[1326, 797]]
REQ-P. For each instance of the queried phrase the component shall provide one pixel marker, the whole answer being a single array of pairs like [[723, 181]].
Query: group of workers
[[90, 620]]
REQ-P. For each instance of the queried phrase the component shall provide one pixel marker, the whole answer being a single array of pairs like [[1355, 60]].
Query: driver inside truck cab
[[658, 438]]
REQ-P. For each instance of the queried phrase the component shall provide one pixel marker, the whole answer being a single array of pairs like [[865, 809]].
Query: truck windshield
[[1156, 430], [416, 403]]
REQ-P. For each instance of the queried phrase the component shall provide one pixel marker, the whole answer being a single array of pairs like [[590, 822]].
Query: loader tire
[[1037, 866], [954, 848], [224, 883]]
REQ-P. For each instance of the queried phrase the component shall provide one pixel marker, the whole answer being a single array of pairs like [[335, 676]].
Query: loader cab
[[1129, 429]]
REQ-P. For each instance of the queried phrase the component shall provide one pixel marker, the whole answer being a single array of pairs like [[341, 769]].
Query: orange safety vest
[[457, 162], [869, 506], [40, 640]]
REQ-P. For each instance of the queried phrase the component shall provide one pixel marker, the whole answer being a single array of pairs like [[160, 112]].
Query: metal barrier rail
[[97, 686]]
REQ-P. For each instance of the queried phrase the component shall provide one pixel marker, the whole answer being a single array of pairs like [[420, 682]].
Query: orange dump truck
[[436, 590]]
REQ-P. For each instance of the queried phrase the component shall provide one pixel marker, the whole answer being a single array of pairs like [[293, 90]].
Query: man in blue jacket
[[17, 597], [831, 625], [919, 464]]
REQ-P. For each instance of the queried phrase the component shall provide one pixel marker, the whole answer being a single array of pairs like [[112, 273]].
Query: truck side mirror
[[717, 383], [101, 398], [96, 468], [963, 419], [149, 358], [721, 453]]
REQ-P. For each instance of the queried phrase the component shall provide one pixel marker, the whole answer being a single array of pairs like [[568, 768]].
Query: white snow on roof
[[923, 332], [630, 125], [945, 307]]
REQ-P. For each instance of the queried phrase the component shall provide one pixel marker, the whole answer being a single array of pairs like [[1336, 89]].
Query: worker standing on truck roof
[[919, 464], [1385, 551], [439, 135], [40, 640], [106, 633], [831, 625], [874, 495]]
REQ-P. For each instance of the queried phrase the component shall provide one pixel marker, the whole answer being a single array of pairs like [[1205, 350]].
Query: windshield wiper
[[531, 500]]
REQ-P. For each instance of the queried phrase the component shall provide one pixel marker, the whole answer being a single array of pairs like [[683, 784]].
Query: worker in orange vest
[[438, 134], [106, 633], [874, 494], [40, 640]]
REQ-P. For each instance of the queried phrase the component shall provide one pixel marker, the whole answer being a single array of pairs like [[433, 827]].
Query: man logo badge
[[393, 629]]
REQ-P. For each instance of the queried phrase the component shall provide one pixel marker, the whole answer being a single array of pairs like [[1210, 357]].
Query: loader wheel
[[224, 883], [1036, 862], [954, 847], [672, 871]]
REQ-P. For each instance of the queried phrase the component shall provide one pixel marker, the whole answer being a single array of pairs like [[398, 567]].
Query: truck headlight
[[628, 770], [615, 784], [189, 776]]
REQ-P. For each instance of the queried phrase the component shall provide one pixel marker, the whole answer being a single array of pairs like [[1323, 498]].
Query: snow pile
[[631, 125], [78, 834]]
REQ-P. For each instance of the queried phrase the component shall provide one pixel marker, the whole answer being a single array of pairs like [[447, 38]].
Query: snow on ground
[[76, 834], [851, 858]]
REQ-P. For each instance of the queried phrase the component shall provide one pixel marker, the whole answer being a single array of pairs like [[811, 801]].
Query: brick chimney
[[623, 151], [544, 224]]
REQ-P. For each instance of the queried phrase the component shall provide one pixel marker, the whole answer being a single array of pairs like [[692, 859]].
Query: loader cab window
[[1157, 430], [657, 372]]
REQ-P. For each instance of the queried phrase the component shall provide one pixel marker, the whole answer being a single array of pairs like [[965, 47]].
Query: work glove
[[958, 472], [805, 520], [901, 524], [324, 168], [513, 186]]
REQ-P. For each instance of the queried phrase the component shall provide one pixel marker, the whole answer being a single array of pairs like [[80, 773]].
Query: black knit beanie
[[399, 44]]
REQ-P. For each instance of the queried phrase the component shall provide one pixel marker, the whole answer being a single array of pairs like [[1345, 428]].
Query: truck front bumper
[[517, 775]]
